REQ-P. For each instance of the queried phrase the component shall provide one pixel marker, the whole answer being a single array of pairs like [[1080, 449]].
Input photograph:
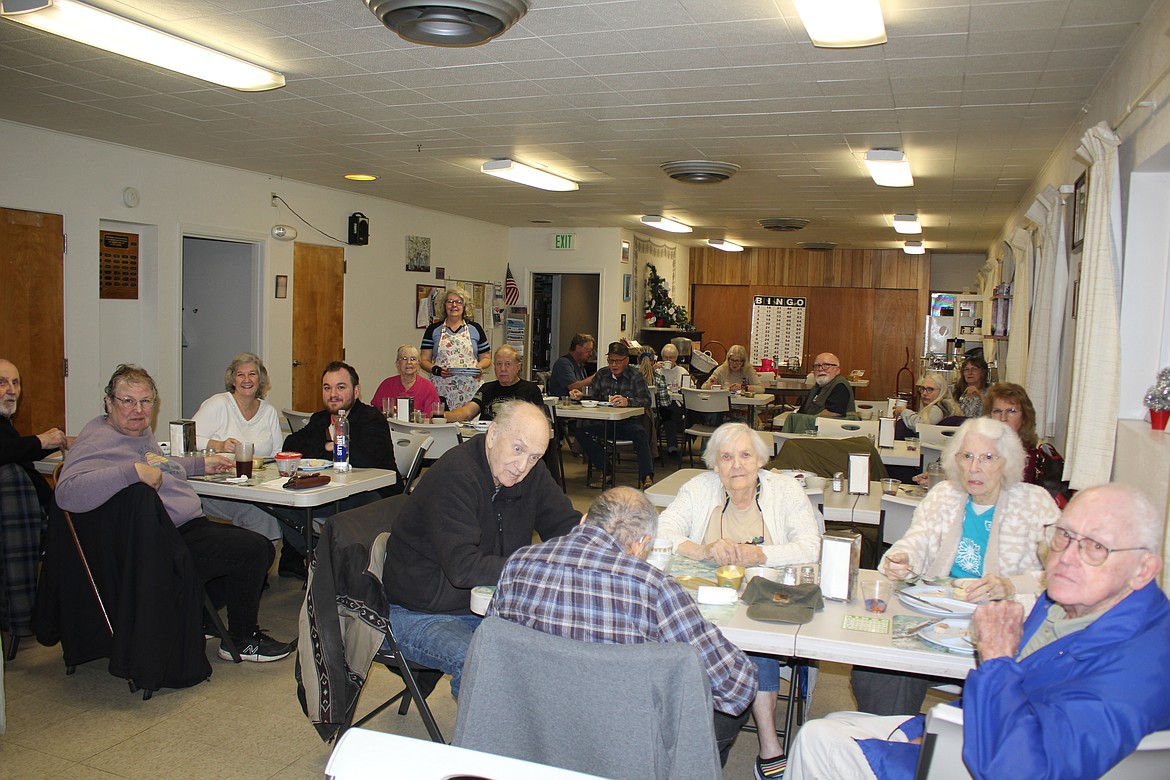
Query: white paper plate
[[315, 464], [938, 596], [951, 634]]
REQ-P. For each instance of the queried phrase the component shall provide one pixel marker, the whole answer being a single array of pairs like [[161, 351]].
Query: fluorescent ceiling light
[[724, 244], [914, 248], [840, 24], [361, 177], [662, 223], [526, 174], [119, 35], [907, 223], [889, 168]]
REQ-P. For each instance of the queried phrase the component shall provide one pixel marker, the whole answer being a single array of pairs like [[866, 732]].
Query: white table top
[[606, 413], [663, 492], [361, 754], [758, 399], [898, 455], [265, 487]]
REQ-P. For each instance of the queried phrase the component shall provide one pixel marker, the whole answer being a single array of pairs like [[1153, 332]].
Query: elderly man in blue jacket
[[1068, 692]]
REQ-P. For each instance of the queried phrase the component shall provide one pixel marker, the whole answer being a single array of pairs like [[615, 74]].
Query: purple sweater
[[101, 462]]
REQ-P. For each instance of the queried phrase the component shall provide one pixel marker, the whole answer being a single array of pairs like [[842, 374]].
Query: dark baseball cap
[[619, 349]]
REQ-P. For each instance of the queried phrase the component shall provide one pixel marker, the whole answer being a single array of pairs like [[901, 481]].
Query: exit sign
[[562, 241]]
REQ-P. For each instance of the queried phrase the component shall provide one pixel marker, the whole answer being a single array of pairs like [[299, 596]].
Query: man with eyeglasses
[[830, 396], [1067, 692], [24, 500], [111, 458], [621, 387]]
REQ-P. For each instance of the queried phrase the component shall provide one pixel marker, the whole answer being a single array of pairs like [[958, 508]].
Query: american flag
[[511, 291]]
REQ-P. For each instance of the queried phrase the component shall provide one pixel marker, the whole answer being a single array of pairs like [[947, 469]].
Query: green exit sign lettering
[[562, 241]]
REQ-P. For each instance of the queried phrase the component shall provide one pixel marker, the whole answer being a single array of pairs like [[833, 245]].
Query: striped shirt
[[584, 586]]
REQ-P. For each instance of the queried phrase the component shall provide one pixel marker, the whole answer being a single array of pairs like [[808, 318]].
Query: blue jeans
[[768, 671], [591, 437], [434, 640]]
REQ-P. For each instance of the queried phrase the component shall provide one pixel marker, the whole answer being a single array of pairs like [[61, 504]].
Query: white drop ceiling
[[977, 93]]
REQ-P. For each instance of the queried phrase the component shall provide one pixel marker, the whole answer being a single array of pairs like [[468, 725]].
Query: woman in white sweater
[[739, 513], [983, 525], [241, 414]]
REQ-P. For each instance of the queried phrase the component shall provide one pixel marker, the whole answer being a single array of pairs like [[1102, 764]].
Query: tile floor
[[245, 722]]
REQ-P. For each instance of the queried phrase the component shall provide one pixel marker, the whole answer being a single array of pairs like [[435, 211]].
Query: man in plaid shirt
[[595, 585], [621, 386]]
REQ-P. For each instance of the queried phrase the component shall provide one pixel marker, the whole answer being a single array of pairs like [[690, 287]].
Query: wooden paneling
[[865, 306]]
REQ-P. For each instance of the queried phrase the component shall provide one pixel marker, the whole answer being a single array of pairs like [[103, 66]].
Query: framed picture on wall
[[1080, 203], [625, 251], [627, 286]]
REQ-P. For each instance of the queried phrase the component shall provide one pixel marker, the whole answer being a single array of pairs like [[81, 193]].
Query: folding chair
[[696, 402], [409, 451], [840, 428], [296, 420]]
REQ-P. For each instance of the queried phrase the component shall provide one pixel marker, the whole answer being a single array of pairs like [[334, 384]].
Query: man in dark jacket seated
[[479, 504], [1067, 693]]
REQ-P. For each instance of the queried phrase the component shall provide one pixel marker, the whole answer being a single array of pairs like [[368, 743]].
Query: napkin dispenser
[[182, 437], [859, 473], [885, 432], [404, 409], [840, 562]]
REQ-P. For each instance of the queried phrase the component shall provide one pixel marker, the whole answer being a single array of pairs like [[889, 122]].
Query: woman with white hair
[[935, 403], [983, 526], [743, 514]]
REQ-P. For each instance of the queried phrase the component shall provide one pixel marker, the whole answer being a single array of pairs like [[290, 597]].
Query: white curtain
[[1018, 347], [1092, 428], [1048, 303], [985, 281]]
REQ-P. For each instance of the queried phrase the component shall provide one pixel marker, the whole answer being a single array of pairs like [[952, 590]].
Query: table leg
[[308, 535]]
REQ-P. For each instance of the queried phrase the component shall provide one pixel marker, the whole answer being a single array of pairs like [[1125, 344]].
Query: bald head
[[9, 387], [516, 441]]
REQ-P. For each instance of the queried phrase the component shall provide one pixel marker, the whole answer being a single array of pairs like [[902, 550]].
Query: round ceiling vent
[[699, 171], [448, 22], [783, 224], [821, 246]]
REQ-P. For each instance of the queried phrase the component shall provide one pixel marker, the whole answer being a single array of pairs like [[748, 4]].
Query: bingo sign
[[777, 327]]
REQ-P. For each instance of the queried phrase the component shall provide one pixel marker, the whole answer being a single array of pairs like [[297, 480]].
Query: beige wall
[[83, 180]]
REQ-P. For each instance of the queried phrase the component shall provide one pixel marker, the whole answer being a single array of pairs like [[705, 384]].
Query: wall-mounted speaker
[[359, 229]]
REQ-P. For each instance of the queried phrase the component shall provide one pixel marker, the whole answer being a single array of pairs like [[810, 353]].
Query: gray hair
[[625, 514], [243, 359], [728, 433], [1007, 446], [398, 354], [129, 374], [671, 347], [508, 349]]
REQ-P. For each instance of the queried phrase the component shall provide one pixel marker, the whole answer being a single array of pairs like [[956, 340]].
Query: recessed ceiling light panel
[[662, 223], [914, 248], [448, 22], [889, 168], [526, 174], [724, 244], [841, 24], [361, 177], [907, 224]]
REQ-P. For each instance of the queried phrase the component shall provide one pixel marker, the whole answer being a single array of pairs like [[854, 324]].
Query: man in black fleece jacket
[[479, 504]]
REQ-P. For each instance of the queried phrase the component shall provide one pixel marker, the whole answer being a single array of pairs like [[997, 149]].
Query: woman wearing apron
[[455, 343]]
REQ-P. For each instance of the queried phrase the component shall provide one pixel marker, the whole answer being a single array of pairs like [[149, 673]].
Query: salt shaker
[[838, 482]]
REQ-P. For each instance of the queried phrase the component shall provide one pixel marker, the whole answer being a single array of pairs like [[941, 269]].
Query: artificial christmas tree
[[661, 311]]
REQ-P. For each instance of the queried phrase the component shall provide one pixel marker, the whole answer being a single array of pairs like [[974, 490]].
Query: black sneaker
[[259, 647]]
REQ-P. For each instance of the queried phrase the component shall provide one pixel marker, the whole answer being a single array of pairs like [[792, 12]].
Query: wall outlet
[[275, 202]]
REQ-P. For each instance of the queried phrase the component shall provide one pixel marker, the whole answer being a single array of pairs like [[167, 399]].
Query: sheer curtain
[[1092, 427], [1017, 353], [1043, 377]]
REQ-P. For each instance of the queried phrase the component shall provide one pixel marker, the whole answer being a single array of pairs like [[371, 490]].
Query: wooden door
[[318, 319], [32, 252]]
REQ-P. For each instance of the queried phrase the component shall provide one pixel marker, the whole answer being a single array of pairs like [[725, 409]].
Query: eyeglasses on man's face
[[129, 403], [984, 459], [820, 366], [1091, 551]]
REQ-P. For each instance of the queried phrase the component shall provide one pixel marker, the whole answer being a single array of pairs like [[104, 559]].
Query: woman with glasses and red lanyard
[[983, 527]]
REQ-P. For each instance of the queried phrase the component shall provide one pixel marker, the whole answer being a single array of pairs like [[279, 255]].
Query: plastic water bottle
[[341, 443]]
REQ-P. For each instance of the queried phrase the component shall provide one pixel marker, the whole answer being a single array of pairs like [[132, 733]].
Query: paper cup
[[481, 597]]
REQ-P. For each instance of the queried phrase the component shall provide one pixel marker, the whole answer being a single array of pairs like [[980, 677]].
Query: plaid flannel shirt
[[584, 586], [630, 385]]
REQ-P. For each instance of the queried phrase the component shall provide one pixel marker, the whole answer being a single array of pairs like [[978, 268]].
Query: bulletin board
[[777, 327]]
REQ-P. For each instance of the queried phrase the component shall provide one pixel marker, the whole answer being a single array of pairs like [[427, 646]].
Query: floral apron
[[456, 350]]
